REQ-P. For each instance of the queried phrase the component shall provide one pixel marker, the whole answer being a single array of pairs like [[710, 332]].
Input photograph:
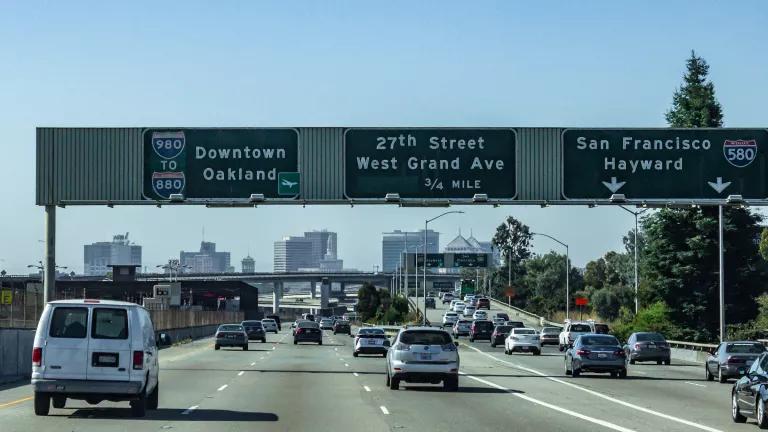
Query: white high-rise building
[[394, 244], [293, 253], [97, 257]]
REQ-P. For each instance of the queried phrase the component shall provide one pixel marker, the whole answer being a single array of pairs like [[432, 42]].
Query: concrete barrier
[[15, 354]]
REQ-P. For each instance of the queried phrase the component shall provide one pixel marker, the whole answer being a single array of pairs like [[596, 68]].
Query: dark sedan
[[499, 334], [646, 346], [592, 352], [308, 331], [732, 359], [342, 327], [749, 394], [255, 330], [480, 329]]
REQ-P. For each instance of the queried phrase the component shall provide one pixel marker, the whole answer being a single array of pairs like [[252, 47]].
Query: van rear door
[[109, 350], [66, 343]]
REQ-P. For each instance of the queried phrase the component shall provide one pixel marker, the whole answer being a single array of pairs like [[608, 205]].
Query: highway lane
[[678, 390], [310, 387]]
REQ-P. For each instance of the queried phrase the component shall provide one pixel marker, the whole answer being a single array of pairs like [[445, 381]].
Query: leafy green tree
[[594, 274], [764, 244], [607, 302], [654, 318], [542, 288], [367, 301], [694, 104], [513, 239], [681, 263]]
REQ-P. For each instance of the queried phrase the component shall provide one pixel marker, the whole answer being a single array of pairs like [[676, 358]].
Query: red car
[[484, 303]]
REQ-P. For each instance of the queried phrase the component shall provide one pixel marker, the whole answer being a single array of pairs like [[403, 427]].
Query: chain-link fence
[[20, 304]]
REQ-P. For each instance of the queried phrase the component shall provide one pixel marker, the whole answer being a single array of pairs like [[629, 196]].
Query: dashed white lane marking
[[640, 372], [695, 384], [600, 395], [367, 388], [241, 373], [273, 348], [346, 364], [355, 374], [594, 420], [260, 358], [335, 349], [384, 410], [253, 364], [189, 410], [222, 387]]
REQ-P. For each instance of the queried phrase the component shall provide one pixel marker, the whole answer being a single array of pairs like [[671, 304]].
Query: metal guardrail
[[520, 312], [693, 346]]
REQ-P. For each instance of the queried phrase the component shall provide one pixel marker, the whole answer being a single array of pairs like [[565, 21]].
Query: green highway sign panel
[[434, 260], [288, 183], [219, 163], [665, 164], [430, 163], [470, 260]]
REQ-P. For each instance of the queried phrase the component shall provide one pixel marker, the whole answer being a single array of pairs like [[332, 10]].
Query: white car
[[523, 339], [469, 311], [423, 355], [269, 324], [454, 302], [459, 307], [95, 350], [450, 318], [480, 315], [371, 340], [571, 331]]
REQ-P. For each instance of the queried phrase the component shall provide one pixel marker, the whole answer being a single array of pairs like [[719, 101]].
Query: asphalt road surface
[[279, 386]]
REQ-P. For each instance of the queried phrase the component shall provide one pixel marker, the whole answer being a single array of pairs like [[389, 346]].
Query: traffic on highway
[[434, 377]]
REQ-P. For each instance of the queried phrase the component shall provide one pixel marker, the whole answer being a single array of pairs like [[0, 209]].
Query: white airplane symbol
[[290, 184]]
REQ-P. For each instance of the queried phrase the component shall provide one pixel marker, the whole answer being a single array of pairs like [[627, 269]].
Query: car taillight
[[299, 330], [37, 356], [583, 352], [620, 353], [138, 360], [637, 346], [216, 335], [401, 347]]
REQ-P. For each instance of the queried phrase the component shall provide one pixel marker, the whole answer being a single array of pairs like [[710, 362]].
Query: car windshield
[[599, 340], [463, 322], [370, 332], [425, 337], [550, 330], [580, 328], [251, 323], [503, 329], [648, 337], [308, 324], [524, 331], [268, 321], [515, 324], [232, 328], [483, 325], [342, 323], [745, 348]]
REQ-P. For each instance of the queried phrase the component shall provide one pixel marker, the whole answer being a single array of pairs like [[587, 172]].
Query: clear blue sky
[[396, 63]]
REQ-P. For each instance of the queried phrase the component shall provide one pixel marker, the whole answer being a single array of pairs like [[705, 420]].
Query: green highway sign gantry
[[210, 164], [665, 164], [429, 163], [447, 260]]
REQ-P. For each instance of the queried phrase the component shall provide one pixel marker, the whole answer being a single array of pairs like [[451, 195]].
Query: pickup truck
[[571, 331]]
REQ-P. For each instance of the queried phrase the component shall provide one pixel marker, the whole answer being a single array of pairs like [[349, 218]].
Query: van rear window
[[69, 322], [109, 324]]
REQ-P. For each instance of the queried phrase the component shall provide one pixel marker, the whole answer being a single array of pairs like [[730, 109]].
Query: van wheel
[[59, 401], [42, 403], [354, 354], [631, 362], [216, 347], [264, 340], [139, 406], [561, 348], [245, 347], [154, 397], [320, 343]]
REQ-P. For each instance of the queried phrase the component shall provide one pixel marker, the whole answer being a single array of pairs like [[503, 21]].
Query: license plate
[[230, 336], [525, 348], [425, 356], [602, 356], [107, 359], [372, 342]]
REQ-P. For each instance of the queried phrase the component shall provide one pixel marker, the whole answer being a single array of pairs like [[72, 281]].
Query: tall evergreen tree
[[694, 104]]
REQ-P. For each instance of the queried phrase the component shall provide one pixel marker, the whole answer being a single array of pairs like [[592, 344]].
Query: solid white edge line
[[600, 395], [367, 388], [594, 420], [222, 387], [189, 410], [384, 410], [240, 373]]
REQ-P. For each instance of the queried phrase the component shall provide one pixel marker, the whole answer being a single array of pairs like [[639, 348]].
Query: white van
[[95, 350]]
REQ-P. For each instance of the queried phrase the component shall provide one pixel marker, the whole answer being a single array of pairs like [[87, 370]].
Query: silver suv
[[423, 355]]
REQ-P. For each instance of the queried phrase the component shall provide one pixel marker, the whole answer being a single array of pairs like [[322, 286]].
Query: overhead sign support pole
[[49, 266], [721, 273]]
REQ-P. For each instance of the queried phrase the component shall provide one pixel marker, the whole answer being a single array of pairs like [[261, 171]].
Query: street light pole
[[567, 273], [637, 283], [424, 281]]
